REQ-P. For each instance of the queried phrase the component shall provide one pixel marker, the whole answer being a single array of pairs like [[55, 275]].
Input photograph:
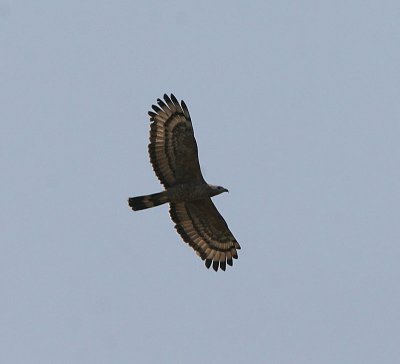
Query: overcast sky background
[[295, 106]]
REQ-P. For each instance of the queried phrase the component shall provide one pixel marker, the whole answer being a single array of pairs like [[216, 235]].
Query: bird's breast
[[188, 192]]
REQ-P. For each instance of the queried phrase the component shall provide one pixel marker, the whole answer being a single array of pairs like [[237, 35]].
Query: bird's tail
[[145, 202]]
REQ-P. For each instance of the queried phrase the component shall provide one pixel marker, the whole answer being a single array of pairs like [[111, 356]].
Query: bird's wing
[[201, 226], [173, 148]]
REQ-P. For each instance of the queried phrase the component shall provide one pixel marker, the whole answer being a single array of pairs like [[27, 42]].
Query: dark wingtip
[[185, 110], [155, 108], [216, 265], [161, 103], [174, 99], [152, 115], [168, 101]]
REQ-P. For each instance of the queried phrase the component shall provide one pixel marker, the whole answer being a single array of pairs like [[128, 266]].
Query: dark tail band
[[145, 202]]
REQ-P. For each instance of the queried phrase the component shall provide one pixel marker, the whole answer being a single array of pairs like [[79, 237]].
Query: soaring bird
[[174, 156]]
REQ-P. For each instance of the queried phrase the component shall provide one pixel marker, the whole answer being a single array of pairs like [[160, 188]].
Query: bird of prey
[[174, 156]]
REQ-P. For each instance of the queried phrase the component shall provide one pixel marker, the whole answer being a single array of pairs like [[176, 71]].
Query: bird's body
[[178, 193], [174, 156]]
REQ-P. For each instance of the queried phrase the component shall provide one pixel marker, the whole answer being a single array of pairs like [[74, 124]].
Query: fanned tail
[[145, 202]]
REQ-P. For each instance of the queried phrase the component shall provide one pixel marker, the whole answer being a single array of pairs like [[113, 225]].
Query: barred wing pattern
[[201, 226], [173, 149]]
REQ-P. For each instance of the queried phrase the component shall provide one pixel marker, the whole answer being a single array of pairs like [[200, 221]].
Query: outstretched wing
[[173, 148], [205, 230]]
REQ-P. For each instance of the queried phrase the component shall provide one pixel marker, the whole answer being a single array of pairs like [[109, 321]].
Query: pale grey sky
[[295, 106]]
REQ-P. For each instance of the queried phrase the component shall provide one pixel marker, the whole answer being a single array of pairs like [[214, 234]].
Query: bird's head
[[216, 190]]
